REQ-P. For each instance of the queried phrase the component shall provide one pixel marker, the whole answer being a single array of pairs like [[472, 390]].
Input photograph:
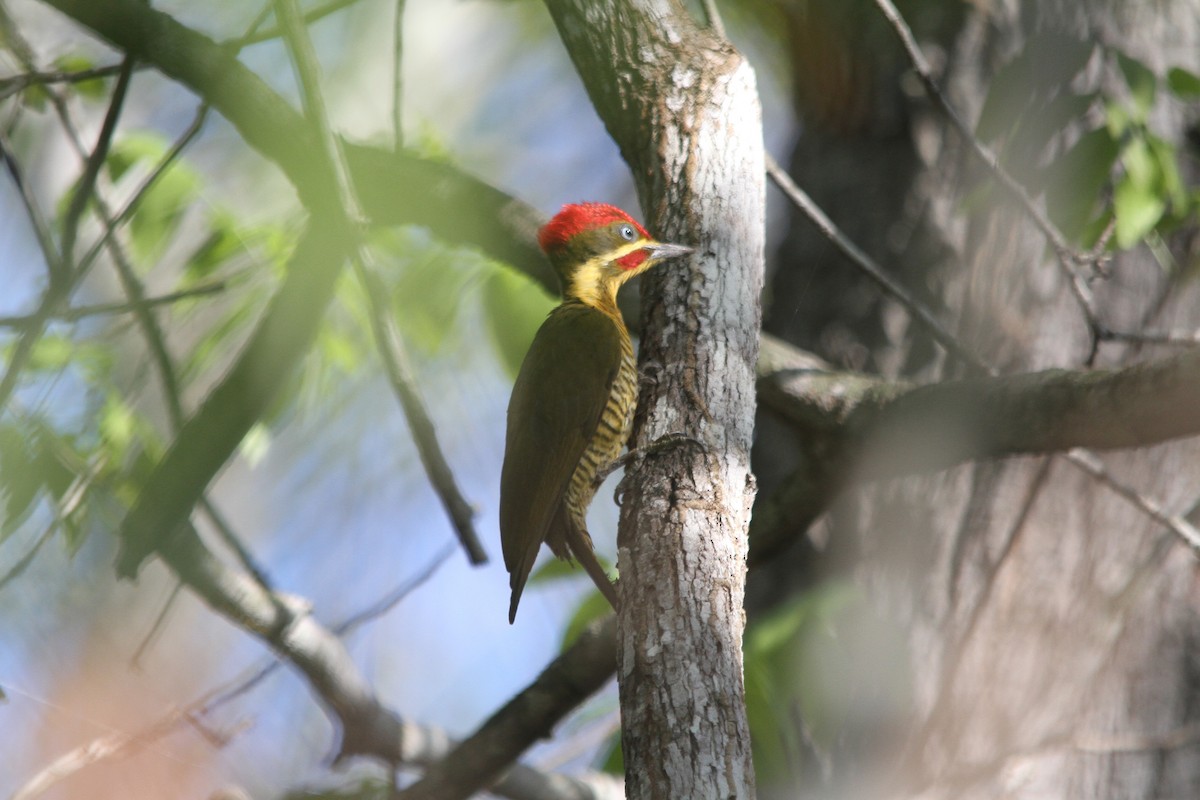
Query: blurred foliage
[[1072, 120], [791, 695]]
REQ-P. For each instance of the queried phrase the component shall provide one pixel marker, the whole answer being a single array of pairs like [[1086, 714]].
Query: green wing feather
[[557, 401]]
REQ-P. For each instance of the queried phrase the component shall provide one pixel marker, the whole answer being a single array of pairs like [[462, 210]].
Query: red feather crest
[[577, 217]]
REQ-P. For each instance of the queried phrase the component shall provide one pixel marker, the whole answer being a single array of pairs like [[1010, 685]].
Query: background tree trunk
[[1053, 625]]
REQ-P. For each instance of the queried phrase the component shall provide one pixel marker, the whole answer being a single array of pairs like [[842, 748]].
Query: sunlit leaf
[[117, 426], [93, 88], [1075, 180], [557, 569], [255, 444], [1183, 83], [1116, 119], [593, 607], [1169, 178], [1138, 209], [1141, 167], [19, 480], [51, 353], [162, 206], [1142, 83], [514, 308], [221, 244]]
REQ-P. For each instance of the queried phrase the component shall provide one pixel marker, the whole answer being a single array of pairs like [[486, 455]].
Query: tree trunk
[[1053, 627], [683, 107]]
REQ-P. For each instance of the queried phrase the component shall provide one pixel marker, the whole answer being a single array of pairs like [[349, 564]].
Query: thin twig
[[868, 266], [1083, 459], [17, 83], [714, 17], [119, 744], [310, 16], [86, 188], [982, 151], [387, 341], [160, 621], [1090, 463], [396, 364], [77, 313], [67, 505], [1174, 338], [398, 78], [62, 276]]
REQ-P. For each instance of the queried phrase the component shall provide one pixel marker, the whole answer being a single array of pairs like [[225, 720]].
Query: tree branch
[[210, 436], [388, 342], [856, 427], [100, 309], [479, 760]]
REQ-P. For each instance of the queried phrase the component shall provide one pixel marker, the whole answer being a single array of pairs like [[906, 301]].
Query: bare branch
[[388, 342], [863, 427], [18, 83], [86, 187], [310, 16], [1174, 338], [101, 309], [1184, 530], [867, 265], [211, 435], [984, 153], [397, 365], [476, 762]]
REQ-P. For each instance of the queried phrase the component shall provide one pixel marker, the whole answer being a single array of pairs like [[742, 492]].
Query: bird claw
[[639, 454], [648, 373]]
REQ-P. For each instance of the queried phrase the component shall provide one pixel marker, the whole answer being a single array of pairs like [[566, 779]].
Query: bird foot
[[639, 454]]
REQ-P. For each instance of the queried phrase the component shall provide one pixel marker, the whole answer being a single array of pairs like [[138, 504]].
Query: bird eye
[[627, 232]]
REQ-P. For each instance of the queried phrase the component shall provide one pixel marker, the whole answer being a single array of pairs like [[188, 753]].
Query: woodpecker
[[573, 402]]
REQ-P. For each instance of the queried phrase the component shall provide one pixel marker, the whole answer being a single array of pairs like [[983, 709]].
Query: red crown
[[575, 218]]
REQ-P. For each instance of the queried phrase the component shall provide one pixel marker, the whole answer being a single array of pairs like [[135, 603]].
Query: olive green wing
[[557, 401]]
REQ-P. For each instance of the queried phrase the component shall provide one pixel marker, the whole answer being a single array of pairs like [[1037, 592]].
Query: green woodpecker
[[573, 401]]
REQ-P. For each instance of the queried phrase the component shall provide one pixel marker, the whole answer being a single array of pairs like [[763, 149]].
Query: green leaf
[[221, 244], [19, 480], [1091, 233], [1138, 209], [162, 206], [1075, 180], [614, 762], [1141, 166], [557, 569], [514, 308], [160, 211], [1169, 179], [428, 283], [255, 444], [118, 426], [93, 88], [593, 607], [1117, 120], [1142, 83], [35, 97], [1185, 85], [51, 353]]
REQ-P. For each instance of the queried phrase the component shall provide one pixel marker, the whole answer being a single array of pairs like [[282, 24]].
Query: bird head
[[595, 248]]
